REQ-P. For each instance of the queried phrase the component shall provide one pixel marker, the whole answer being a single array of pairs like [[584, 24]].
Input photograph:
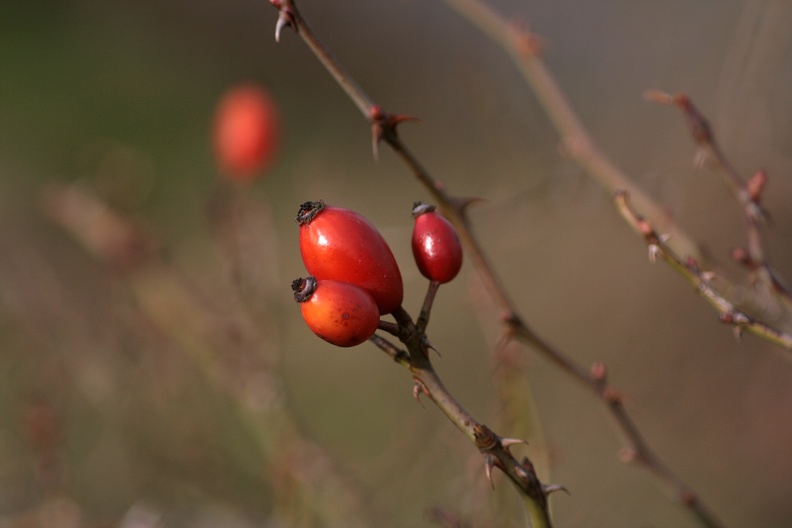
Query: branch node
[[485, 438], [738, 321], [526, 43], [698, 125], [628, 455], [383, 126], [688, 498], [693, 266], [612, 396], [741, 256]]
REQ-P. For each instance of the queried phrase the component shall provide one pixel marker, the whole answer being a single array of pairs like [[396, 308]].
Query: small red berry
[[435, 244], [245, 133], [340, 313], [340, 244]]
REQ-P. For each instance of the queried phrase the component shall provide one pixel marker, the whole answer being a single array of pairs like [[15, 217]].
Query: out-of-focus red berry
[[435, 245], [340, 313], [246, 133]]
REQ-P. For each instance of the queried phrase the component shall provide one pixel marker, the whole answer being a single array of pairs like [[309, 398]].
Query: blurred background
[[155, 371]]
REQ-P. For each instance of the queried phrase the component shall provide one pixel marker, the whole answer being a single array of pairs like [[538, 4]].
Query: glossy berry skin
[[245, 133], [340, 313], [340, 244], [435, 245]]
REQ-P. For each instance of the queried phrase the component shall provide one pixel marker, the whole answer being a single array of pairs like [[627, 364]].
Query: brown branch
[[576, 139], [495, 449], [748, 193], [525, 50], [702, 281]]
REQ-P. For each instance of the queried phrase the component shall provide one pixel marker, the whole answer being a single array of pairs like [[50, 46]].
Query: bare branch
[[702, 281], [523, 47], [748, 193]]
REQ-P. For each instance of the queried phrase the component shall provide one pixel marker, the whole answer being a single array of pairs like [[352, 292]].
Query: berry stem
[[426, 309], [391, 328]]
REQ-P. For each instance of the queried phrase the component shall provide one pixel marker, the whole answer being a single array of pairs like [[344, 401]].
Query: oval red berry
[[245, 133], [340, 244], [338, 312], [435, 244]]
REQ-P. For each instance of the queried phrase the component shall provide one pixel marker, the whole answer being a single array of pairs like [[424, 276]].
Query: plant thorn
[[701, 158], [658, 96], [428, 344], [756, 213], [508, 442], [755, 186], [655, 251], [489, 462], [552, 488], [418, 389], [285, 19]]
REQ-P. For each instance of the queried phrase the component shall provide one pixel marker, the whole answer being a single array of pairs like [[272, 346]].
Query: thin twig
[[748, 193], [426, 308], [384, 128], [495, 449], [702, 281], [525, 50]]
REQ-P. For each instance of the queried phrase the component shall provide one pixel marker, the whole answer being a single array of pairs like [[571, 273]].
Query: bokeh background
[[187, 391]]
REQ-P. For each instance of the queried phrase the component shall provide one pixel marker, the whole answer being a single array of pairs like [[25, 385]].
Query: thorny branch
[[495, 449], [523, 47], [702, 281], [747, 192], [525, 50]]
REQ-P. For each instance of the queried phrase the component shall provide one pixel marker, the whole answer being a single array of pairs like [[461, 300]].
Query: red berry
[[245, 133], [435, 245], [338, 312], [340, 244]]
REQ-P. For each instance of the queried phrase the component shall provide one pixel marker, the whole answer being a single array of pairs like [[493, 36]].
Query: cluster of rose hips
[[354, 278]]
